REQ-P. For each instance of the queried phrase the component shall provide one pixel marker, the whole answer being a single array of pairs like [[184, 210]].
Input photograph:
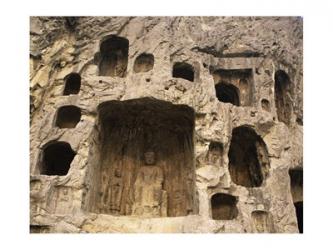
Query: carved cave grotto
[[234, 86], [68, 116], [183, 70], [143, 63], [283, 96], [113, 57], [248, 158], [56, 158], [224, 207], [143, 163], [227, 93], [72, 84]]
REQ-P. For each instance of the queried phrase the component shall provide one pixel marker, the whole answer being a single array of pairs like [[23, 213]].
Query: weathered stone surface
[[132, 100]]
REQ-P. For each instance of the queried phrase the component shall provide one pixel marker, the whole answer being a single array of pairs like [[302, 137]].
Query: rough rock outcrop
[[166, 124]]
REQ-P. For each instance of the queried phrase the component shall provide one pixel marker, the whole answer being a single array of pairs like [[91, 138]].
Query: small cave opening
[[113, 57], [144, 63], [68, 116], [56, 158], [224, 207], [296, 186], [234, 86], [144, 160], [283, 96], [215, 154], [248, 158], [263, 222], [72, 84], [227, 93], [183, 70], [265, 105]]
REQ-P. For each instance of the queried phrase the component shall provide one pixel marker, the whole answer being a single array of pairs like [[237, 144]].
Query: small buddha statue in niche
[[150, 200], [116, 191], [214, 156]]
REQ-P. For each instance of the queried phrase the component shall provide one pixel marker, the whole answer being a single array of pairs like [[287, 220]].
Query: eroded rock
[[166, 124]]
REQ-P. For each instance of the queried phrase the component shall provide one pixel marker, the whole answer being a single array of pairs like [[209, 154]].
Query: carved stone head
[[149, 158]]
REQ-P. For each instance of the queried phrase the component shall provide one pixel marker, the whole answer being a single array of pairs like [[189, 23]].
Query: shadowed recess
[[144, 63], [224, 207], [183, 70], [215, 154], [145, 159], [283, 96], [299, 215], [248, 158], [234, 86], [265, 105], [114, 56], [56, 158], [227, 93], [72, 84], [68, 116], [296, 186]]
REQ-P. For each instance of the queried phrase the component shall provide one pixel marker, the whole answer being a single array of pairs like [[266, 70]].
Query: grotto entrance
[[143, 63], [55, 158], [183, 70], [227, 93], [283, 96], [248, 158], [113, 56], [72, 84], [68, 116], [234, 86], [145, 166], [224, 207]]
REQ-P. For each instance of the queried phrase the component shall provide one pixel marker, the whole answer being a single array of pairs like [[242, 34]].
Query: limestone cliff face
[[219, 100]]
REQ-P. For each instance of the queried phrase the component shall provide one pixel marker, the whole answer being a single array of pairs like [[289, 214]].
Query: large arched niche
[[248, 157], [113, 56], [283, 96], [142, 160]]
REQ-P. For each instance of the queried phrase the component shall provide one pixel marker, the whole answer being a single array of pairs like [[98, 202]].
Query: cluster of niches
[[248, 157]]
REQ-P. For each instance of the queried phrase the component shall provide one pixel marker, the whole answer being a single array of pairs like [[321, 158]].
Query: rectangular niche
[[240, 81], [142, 160]]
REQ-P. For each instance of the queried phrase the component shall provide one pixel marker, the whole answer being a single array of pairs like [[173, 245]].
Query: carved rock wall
[[179, 62]]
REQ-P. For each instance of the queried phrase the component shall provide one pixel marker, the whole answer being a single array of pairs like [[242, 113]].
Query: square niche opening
[[234, 86], [142, 160]]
